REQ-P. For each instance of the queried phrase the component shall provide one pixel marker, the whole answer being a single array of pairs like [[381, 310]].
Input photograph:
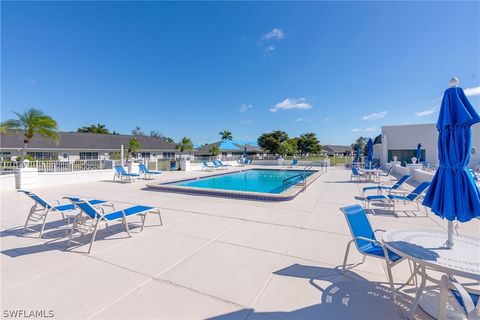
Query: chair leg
[[43, 223], [390, 279], [32, 209], [143, 217], [126, 226], [160, 217], [93, 236], [346, 256]]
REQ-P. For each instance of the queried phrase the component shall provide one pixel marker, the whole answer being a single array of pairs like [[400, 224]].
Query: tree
[[272, 141], [32, 122], [157, 134], [138, 132], [361, 142], [98, 128], [289, 147], [214, 150], [226, 135], [308, 144], [133, 147], [185, 145]]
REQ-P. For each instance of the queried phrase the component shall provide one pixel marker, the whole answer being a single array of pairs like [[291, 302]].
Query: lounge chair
[[426, 166], [91, 218], [356, 174], [366, 241], [466, 300], [294, 163], [379, 188], [386, 174], [224, 165], [143, 169], [41, 209], [206, 166], [396, 196], [218, 165], [121, 174]]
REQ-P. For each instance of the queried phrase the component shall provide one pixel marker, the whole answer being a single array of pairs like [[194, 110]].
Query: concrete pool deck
[[214, 258]]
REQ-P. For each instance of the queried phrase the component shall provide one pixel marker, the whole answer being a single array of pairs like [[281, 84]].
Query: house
[[231, 148], [336, 150], [83, 146], [401, 141]]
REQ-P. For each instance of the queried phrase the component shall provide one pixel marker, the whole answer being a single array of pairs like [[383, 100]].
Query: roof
[[83, 141], [229, 146], [331, 148]]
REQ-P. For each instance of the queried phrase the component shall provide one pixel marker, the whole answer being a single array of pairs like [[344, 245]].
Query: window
[[43, 155], [5, 155], [145, 155], [169, 154], [88, 155]]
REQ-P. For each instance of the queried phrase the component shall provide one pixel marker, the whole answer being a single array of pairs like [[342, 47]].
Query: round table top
[[426, 247]]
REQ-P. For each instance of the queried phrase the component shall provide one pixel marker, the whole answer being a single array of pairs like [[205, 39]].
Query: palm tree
[[133, 147], [32, 122], [98, 128], [185, 145], [226, 135], [214, 150]]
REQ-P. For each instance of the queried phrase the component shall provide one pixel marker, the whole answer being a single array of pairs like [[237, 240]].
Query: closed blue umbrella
[[357, 153], [370, 150], [245, 152], [419, 152], [453, 194]]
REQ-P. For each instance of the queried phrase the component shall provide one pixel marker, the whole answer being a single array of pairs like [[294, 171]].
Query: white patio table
[[425, 248]]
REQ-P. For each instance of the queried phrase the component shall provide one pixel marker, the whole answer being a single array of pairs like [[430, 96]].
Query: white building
[[402, 141]]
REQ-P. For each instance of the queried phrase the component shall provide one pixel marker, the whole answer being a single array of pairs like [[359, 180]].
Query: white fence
[[59, 165]]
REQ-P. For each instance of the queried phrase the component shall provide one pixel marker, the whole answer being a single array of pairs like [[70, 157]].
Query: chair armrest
[[376, 242], [448, 282]]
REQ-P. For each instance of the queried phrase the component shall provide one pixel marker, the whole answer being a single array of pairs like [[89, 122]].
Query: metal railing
[[58, 165], [321, 164], [304, 179]]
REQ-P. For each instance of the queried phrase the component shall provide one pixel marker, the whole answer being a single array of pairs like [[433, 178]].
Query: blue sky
[[193, 69]]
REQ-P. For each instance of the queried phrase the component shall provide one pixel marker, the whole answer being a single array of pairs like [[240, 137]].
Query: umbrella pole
[[450, 235]]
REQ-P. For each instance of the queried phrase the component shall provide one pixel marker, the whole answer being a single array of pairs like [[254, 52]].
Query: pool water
[[255, 180]]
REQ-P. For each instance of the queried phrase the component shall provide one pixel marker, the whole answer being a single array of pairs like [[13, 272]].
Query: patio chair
[[41, 209], [396, 196], [143, 169], [465, 299], [385, 174], [366, 241], [92, 218], [219, 165], [206, 166], [224, 165], [356, 174], [396, 186], [426, 166], [121, 173], [294, 163]]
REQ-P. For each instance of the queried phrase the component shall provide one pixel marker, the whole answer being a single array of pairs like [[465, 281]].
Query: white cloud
[[276, 33], [244, 107], [246, 121], [475, 91], [303, 119], [370, 129], [427, 112], [292, 103], [375, 116]]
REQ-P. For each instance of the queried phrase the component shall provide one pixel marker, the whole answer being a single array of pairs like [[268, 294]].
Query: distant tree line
[[278, 143]]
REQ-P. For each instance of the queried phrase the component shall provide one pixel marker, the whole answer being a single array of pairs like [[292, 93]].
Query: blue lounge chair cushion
[[376, 197], [457, 296], [375, 188], [378, 251], [398, 197], [128, 212], [65, 207], [144, 169]]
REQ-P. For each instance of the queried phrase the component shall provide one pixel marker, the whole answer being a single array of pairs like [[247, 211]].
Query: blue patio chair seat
[[458, 297], [466, 297], [376, 250], [377, 197], [396, 186], [121, 173], [398, 197], [128, 212]]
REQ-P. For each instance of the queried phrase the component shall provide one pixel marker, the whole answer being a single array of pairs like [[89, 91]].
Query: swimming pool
[[256, 180], [255, 184]]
